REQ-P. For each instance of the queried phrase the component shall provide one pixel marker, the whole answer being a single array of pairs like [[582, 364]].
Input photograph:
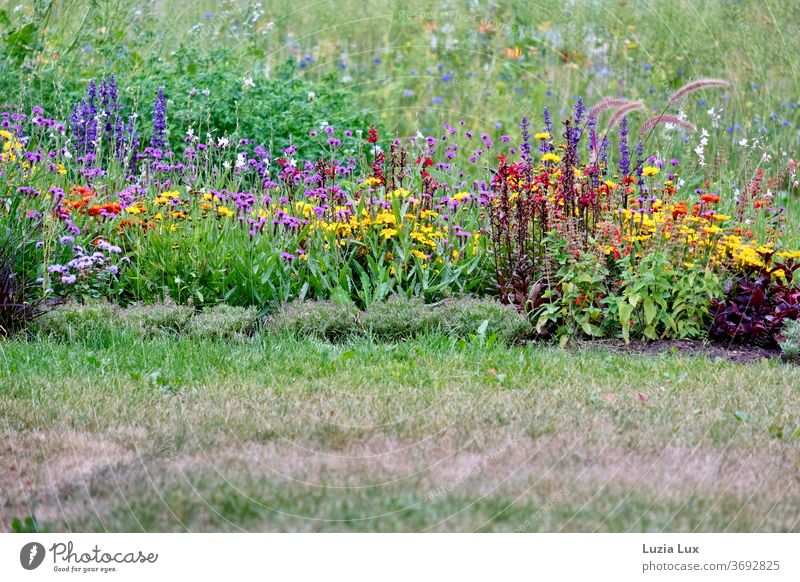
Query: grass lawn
[[300, 435]]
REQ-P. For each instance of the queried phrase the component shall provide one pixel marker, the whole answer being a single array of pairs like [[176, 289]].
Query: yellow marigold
[[385, 218], [419, 254], [135, 209], [225, 211], [649, 171], [542, 135], [388, 233], [551, 157]]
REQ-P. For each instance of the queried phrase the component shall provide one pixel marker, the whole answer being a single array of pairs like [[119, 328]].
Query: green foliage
[[76, 321], [400, 319], [157, 319], [658, 300], [790, 342], [649, 298], [224, 322]]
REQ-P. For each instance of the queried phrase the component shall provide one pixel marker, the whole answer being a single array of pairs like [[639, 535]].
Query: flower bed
[[600, 244]]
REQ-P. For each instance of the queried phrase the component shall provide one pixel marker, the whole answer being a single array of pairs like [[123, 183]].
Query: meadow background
[[398, 416]]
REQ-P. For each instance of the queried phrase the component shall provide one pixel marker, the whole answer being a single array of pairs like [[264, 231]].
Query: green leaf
[[650, 311]]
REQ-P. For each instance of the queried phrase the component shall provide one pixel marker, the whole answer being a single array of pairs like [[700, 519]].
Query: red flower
[[372, 134], [710, 198]]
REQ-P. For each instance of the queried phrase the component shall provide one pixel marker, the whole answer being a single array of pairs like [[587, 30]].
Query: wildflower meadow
[[468, 266]]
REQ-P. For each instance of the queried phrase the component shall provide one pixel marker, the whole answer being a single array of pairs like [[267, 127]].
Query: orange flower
[[709, 198], [679, 209], [101, 209]]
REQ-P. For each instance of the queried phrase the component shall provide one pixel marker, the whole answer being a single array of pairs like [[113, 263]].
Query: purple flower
[[159, 140], [67, 240], [68, 279], [624, 153]]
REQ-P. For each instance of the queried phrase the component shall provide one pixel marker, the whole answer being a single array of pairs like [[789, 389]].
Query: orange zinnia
[[710, 198], [680, 209]]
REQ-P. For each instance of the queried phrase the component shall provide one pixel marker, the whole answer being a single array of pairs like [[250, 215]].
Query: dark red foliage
[[756, 306], [19, 305]]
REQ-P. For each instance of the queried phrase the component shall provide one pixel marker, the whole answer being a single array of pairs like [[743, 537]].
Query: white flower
[[223, 142], [240, 160], [226, 164], [248, 82], [743, 142], [311, 96]]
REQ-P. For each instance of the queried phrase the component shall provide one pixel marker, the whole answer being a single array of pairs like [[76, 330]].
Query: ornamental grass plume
[[695, 86], [673, 119], [623, 112], [607, 103]]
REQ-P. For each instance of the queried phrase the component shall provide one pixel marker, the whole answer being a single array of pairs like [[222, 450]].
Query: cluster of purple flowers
[[84, 264]]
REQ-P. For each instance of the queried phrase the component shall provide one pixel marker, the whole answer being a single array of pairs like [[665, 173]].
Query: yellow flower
[[789, 254], [419, 254], [225, 211], [721, 217], [551, 157], [650, 171], [385, 218], [388, 233], [372, 181], [399, 193], [542, 135], [135, 209]]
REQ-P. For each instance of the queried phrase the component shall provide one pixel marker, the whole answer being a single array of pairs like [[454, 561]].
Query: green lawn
[[286, 434]]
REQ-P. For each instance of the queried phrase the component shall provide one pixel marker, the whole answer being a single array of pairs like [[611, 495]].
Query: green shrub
[[327, 320], [223, 322], [77, 321], [400, 318], [463, 317], [790, 344], [157, 319]]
